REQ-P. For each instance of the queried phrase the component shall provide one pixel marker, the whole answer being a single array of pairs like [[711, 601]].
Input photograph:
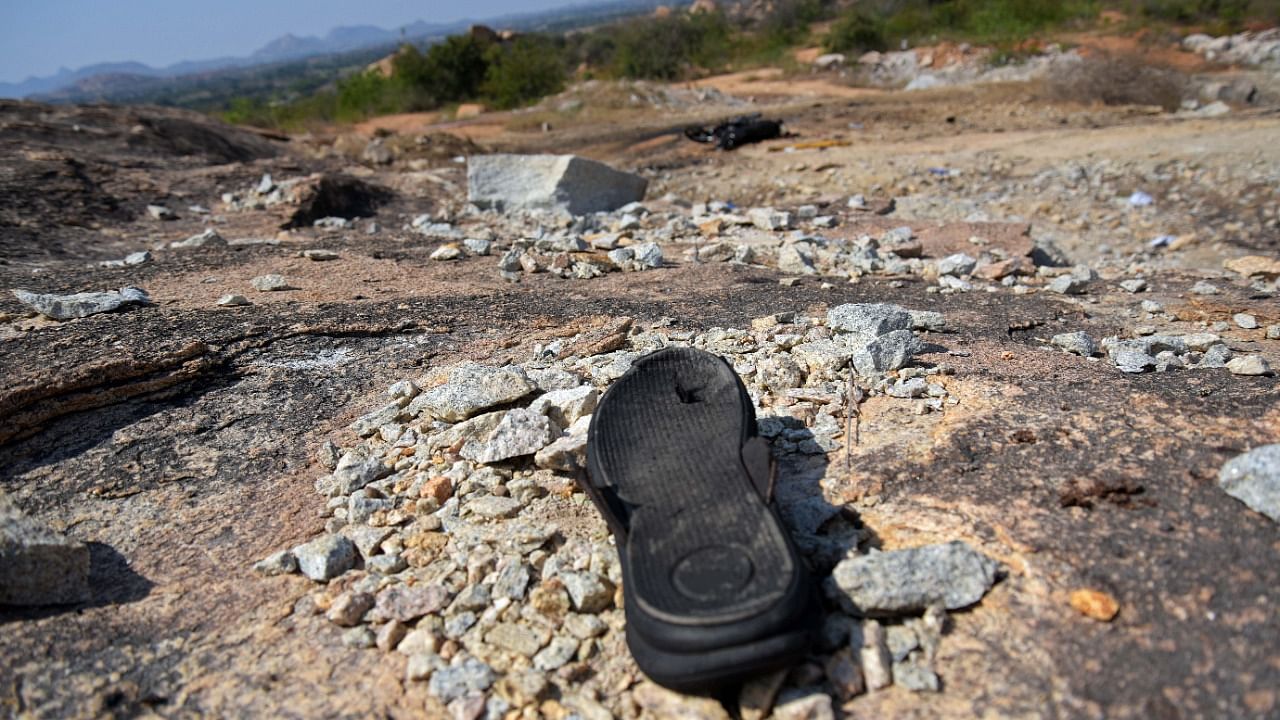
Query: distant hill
[[116, 81]]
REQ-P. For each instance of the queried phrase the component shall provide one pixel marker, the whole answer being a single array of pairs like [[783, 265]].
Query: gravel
[[556, 655], [494, 506], [877, 663], [469, 675], [804, 704], [325, 557], [958, 265], [589, 592], [349, 608], [522, 640], [356, 471], [915, 676], [207, 238]]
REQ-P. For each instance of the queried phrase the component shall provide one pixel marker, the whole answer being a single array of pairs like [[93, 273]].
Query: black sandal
[[714, 589]]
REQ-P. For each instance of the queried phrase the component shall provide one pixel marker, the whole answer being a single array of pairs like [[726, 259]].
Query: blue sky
[[37, 37]]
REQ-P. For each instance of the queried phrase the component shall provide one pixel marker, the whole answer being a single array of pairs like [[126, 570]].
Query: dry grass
[[1118, 80]]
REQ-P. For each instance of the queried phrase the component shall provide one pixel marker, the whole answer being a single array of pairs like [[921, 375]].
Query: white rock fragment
[[79, 305], [521, 431], [472, 388], [207, 238], [270, 283], [803, 704], [953, 575], [868, 320], [280, 563], [325, 557], [1248, 365], [589, 592], [564, 407], [887, 352], [566, 182], [1253, 478], [877, 664], [1077, 343]]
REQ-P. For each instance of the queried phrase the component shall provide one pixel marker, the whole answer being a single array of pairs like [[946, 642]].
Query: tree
[[529, 68]]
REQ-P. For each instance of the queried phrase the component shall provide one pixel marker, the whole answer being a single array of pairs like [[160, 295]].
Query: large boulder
[[564, 182]]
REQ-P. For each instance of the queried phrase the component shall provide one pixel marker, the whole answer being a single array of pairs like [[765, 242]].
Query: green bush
[[788, 23], [449, 71], [1213, 16], [668, 48], [877, 25], [856, 31], [367, 94], [529, 68]]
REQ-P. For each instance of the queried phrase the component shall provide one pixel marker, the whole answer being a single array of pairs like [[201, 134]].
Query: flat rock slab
[[39, 566], [899, 582], [70, 307], [563, 182], [472, 388]]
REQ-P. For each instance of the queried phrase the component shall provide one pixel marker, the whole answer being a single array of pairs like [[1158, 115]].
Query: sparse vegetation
[[886, 23], [1119, 80], [681, 45], [1216, 16], [669, 48]]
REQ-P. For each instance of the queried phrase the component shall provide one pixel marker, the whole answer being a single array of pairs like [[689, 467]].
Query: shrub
[[449, 71], [789, 21], [883, 23], [1118, 80], [366, 94], [666, 48], [528, 69], [856, 31]]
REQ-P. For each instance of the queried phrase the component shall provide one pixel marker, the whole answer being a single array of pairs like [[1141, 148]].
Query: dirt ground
[[179, 440]]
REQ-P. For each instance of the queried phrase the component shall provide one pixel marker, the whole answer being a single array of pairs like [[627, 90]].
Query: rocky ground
[[323, 458]]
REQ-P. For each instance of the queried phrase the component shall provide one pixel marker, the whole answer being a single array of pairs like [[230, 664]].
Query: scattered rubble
[[447, 480]]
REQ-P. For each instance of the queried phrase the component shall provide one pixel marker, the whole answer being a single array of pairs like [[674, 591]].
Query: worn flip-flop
[[714, 589]]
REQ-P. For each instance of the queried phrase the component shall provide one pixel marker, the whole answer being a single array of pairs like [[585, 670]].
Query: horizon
[[39, 40]]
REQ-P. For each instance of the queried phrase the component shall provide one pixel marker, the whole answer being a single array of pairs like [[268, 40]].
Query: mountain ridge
[[287, 47]]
